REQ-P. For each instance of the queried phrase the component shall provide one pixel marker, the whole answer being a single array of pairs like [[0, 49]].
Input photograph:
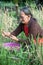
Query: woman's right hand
[[5, 34], [8, 34]]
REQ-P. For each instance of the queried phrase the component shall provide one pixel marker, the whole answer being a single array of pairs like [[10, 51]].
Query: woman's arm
[[13, 34], [18, 30], [8, 34]]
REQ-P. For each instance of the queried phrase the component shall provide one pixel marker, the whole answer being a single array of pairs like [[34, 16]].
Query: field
[[8, 22]]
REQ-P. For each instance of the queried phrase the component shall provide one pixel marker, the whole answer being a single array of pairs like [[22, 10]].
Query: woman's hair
[[26, 10]]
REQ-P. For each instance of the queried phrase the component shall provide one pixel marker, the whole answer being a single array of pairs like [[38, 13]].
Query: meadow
[[8, 22]]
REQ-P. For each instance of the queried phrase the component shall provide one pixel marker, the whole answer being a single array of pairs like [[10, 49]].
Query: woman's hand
[[5, 34], [14, 38], [8, 34]]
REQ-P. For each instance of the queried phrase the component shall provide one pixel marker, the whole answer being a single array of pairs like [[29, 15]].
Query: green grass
[[31, 56], [3, 4]]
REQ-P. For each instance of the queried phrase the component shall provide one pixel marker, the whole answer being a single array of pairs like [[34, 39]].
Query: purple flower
[[11, 44]]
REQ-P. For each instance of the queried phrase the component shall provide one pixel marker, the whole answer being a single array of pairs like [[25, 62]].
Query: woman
[[28, 25]]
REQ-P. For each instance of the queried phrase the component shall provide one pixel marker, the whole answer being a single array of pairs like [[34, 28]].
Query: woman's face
[[24, 18]]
